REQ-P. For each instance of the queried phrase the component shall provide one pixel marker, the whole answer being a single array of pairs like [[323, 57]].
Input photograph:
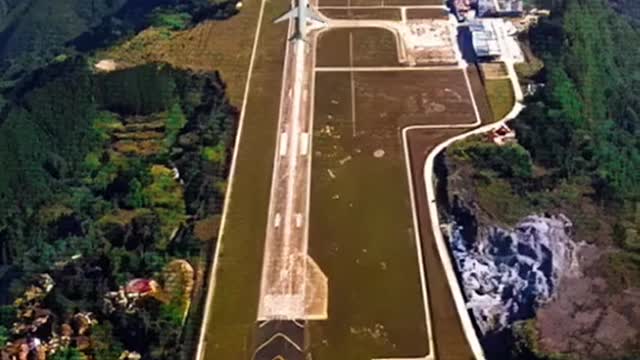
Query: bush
[[508, 161]]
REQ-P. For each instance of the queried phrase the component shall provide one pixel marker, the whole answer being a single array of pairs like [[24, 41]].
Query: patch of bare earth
[[589, 318]]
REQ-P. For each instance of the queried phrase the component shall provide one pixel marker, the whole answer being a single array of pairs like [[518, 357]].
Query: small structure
[[502, 135], [464, 8], [141, 287], [485, 39], [511, 8]]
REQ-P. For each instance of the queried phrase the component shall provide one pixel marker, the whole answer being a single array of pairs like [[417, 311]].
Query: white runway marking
[[386, 68], [304, 143], [353, 86], [284, 140], [367, 7]]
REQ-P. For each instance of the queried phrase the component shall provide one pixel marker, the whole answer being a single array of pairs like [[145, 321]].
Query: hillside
[[562, 203], [112, 181]]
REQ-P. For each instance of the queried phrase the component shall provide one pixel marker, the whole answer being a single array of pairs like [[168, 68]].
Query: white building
[[485, 39]]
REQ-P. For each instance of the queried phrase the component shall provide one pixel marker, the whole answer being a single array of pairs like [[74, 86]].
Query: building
[[502, 135], [464, 8], [485, 39], [500, 8]]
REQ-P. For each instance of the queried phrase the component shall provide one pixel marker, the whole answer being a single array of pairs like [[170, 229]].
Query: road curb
[[441, 244]]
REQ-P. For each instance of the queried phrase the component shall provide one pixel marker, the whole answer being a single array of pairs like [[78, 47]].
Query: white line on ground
[[304, 143], [441, 244], [353, 85], [386, 68], [328, 7], [284, 140], [299, 220]]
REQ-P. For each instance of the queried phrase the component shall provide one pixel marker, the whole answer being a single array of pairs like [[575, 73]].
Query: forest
[[577, 154], [109, 186], [584, 127], [35, 32]]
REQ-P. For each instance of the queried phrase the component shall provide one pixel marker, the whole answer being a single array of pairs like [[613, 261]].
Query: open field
[[369, 46], [363, 14], [389, 100], [379, 2], [421, 13], [358, 220], [234, 310], [414, 2], [501, 96], [361, 229]]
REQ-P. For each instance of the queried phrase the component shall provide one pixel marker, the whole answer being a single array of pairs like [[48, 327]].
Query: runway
[[292, 286]]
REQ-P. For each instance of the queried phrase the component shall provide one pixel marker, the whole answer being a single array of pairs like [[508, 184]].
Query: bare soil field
[[391, 100], [363, 14], [422, 13], [361, 214], [413, 2], [369, 46], [350, 2], [379, 2], [361, 235]]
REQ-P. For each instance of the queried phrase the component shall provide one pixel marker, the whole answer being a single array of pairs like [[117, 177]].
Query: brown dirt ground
[[371, 47], [391, 100], [418, 13], [413, 2], [363, 14], [378, 2], [375, 132], [450, 341]]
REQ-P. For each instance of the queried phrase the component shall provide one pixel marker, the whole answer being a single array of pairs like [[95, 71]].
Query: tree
[[68, 353]]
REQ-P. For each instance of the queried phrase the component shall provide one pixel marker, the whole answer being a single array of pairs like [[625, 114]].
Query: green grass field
[[501, 97]]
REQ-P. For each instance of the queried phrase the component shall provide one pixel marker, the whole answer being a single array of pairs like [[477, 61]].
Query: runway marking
[[299, 220], [353, 86], [304, 143], [386, 68], [298, 324], [272, 339], [284, 141], [367, 7], [277, 220]]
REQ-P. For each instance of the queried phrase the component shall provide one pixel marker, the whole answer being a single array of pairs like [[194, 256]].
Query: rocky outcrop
[[508, 273]]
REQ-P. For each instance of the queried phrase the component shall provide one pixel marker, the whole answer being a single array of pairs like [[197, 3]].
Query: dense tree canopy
[[586, 120]]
